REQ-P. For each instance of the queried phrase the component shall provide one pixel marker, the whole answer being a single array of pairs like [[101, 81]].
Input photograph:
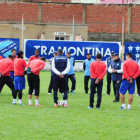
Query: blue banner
[[78, 49], [7, 44], [133, 47]]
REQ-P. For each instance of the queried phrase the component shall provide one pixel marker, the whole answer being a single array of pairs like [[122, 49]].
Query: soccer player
[[13, 51], [35, 66], [19, 79], [36, 56], [116, 75], [108, 62], [71, 74], [98, 71], [138, 82], [131, 71], [86, 67], [51, 81], [5, 66], [60, 67]]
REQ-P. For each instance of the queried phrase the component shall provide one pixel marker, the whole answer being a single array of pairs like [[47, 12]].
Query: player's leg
[[118, 83], [114, 88], [138, 85], [68, 77], [55, 89], [30, 84], [50, 86], [108, 83], [86, 79], [16, 90], [73, 80], [92, 92], [99, 94], [2, 83]]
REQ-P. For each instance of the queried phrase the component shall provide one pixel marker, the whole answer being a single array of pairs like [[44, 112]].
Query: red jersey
[[33, 58], [5, 66], [13, 61], [98, 70], [1, 57], [130, 69], [19, 66], [36, 66]]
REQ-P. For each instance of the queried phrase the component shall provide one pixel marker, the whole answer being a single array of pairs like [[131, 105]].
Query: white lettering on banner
[[72, 48], [98, 51], [88, 49], [107, 52], [43, 50], [92, 51], [65, 50], [51, 51], [82, 52], [37, 47]]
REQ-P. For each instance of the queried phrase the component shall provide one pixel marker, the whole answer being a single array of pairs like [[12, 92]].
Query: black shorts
[[34, 83]]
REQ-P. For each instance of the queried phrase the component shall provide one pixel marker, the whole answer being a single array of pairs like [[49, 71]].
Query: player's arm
[[54, 69], [8, 69], [120, 70], [137, 72], [42, 65], [103, 73], [125, 71], [110, 69], [91, 68], [67, 68]]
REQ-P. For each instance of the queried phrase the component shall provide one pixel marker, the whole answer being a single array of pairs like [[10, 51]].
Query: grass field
[[73, 123]]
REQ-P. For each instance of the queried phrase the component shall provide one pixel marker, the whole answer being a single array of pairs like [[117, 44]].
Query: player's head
[[20, 54], [43, 59], [13, 51], [115, 56], [99, 56], [112, 53], [59, 52], [36, 53], [55, 54], [10, 57], [68, 54], [88, 56], [129, 56]]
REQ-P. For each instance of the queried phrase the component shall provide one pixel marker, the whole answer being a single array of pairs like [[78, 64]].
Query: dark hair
[[10, 56], [36, 50], [99, 56], [129, 54], [43, 58], [60, 52], [19, 54], [13, 50]]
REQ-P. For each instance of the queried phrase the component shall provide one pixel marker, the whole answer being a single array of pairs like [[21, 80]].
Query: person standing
[[5, 67], [13, 51], [86, 67], [51, 81], [35, 66], [98, 71], [131, 71], [36, 56], [60, 67], [71, 73], [108, 62], [19, 79], [116, 75], [138, 82]]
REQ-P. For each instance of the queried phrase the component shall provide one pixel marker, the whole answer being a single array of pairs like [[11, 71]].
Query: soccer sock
[[14, 101], [20, 100], [123, 105], [36, 102], [30, 102], [129, 106], [65, 101]]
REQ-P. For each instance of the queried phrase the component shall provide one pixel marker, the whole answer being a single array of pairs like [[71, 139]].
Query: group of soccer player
[[123, 74]]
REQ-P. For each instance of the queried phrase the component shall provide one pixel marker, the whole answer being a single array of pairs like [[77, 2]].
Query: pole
[[22, 32], [73, 29], [122, 50]]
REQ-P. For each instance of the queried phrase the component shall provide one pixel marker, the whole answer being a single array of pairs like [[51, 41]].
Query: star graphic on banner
[[137, 48], [130, 48], [137, 55]]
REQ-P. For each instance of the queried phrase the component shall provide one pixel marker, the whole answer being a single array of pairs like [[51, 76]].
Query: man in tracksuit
[[19, 79], [108, 62], [5, 67], [33, 71], [13, 51], [116, 75], [138, 80], [98, 71], [71, 74], [51, 81], [131, 71], [60, 67], [86, 67]]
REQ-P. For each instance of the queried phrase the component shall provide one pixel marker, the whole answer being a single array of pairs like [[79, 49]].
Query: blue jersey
[[72, 61], [87, 66]]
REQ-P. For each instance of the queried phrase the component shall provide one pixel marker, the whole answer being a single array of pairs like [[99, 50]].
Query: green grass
[[73, 123]]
